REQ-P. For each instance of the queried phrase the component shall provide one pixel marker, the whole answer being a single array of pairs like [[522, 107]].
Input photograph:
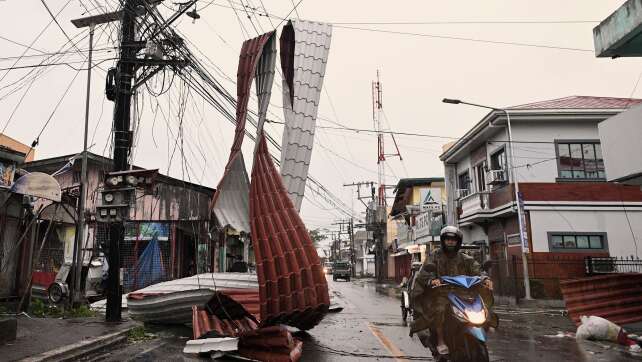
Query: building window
[[580, 160], [463, 181], [498, 163], [480, 176], [577, 242]]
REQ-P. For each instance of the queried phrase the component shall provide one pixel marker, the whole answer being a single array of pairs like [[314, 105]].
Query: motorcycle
[[406, 290], [467, 320]]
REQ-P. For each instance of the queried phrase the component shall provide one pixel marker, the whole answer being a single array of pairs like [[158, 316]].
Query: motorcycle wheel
[[404, 314], [477, 351]]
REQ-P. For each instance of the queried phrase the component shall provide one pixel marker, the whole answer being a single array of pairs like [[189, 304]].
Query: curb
[[81, 349]]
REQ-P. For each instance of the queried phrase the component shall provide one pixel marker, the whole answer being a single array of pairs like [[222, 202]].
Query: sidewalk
[[41, 339]]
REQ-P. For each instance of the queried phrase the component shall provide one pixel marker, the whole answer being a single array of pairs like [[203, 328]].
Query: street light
[[520, 212]]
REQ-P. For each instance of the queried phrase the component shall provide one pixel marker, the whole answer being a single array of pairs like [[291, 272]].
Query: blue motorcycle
[[467, 321]]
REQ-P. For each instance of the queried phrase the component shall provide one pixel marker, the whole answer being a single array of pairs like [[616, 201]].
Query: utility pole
[[360, 198], [122, 144], [381, 205], [81, 226], [121, 94]]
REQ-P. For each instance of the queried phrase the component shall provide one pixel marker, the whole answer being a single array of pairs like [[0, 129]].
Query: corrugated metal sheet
[[230, 201], [292, 286], [274, 343], [172, 301], [304, 55], [616, 297], [270, 344], [251, 52], [225, 315], [265, 78], [206, 325]]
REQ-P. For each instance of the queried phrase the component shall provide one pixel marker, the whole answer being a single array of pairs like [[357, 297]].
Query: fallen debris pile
[[600, 329], [224, 325]]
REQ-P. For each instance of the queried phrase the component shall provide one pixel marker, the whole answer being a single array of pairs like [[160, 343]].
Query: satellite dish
[[38, 184]]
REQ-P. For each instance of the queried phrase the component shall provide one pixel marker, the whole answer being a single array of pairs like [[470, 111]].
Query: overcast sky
[[416, 73]]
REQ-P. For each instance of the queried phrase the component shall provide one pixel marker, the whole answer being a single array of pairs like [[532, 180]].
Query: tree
[[317, 236]]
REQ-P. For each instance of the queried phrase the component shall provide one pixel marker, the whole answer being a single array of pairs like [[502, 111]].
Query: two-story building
[[417, 218], [571, 211]]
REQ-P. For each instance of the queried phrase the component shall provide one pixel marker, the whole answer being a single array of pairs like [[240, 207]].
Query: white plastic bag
[[597, 328]]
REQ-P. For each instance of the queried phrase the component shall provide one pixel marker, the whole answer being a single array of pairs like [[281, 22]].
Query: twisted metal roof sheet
[[292, 286], [265, 78], [230, 203], [304, 55]]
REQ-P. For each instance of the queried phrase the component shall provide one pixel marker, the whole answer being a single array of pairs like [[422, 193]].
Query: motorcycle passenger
[[430, 308]]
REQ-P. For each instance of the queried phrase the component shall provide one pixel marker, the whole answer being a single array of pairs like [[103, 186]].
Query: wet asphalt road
[[370, 328]]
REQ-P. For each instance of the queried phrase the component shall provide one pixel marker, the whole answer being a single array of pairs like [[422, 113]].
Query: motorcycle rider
[[429, 313]]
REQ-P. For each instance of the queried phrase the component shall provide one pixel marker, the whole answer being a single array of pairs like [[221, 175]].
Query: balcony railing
[[475, 202]]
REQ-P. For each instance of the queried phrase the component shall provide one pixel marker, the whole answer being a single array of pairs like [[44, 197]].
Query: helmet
[[450, 232]]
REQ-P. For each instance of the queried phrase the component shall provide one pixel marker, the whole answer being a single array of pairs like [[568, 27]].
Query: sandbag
[[597, 328]]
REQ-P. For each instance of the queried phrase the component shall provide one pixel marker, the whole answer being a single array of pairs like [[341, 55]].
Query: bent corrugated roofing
[[292, 286], [230, 203], [304, 55]]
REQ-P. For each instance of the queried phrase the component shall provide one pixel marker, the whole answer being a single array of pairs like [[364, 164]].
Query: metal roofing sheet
[[616, 297], [304, 55], [251, 52], [265, 78], [273, 344], [582, 102], [206, 325], [230, 201], [172, 301], [292, 286]]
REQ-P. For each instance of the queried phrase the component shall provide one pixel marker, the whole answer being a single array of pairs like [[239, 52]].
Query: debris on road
[[208, 345], [171, 302], [223, 317], [598, 328]]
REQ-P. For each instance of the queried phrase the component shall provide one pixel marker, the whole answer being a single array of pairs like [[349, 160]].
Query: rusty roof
[[274, 343], [292, 286], [581, 102], [264, 74], [226, 316], [616, 297], [304, 54], [248, 60], [230, 203]]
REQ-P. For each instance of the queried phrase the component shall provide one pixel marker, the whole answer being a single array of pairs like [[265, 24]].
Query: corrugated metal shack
[[167, 232]]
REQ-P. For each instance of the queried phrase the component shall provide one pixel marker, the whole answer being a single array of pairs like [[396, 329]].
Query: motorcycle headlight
[[477, 318]]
